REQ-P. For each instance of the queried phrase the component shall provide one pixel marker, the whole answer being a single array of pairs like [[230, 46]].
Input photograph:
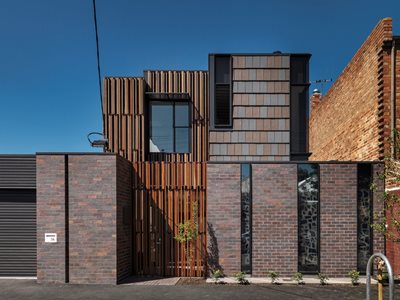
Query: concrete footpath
[[29, 289]]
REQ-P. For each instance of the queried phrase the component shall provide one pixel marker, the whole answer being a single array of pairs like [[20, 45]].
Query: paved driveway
[[29, 289]]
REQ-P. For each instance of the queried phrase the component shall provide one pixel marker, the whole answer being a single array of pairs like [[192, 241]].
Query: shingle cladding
[[260, 111]]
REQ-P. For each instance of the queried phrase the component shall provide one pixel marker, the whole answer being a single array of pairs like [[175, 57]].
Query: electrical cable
[[98, 57]]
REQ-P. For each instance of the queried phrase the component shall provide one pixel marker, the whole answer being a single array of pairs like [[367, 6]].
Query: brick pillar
[[223, 217], [51, 213]]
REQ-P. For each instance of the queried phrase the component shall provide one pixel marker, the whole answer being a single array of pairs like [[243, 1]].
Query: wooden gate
[[165, 195]]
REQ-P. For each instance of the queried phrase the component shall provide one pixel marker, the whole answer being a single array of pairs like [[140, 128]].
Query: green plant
[[274, 276], [188, 233], [240, 277], [298, 277], [354, 276], [323, 279], [386, 221], [217, 275]]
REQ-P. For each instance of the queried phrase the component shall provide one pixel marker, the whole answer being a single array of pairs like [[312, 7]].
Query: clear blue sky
[[48, 74]]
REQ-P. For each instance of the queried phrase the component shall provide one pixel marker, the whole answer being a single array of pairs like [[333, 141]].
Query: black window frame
[[172, 102], [250, 267], [360, 269], [213, 88], [318, 220]]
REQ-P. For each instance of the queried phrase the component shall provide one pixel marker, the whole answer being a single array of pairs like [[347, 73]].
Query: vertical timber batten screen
[[165, 184], [164, 195]]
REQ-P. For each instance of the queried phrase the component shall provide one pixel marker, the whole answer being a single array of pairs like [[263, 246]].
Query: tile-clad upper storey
[[258, 126], [247, 107]]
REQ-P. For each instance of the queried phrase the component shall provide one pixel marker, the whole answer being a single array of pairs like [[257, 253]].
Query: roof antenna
[[321, 83]]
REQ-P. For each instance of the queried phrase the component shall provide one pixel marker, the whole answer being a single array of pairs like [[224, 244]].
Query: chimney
[[316, 99]]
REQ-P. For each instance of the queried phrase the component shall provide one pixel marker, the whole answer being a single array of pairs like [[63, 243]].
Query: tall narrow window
[[364, 215], [308, 218], [222, 98], [169, 127], [245, 188]]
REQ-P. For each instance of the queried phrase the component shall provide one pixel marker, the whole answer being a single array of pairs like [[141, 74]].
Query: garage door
[[17, 232]]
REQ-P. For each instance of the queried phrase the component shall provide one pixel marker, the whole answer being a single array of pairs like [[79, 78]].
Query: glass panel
[[308, 191], [181, 114], [182, 140], [222, 69], [364, 200], [222, 105], [245, 178], [161, 127]]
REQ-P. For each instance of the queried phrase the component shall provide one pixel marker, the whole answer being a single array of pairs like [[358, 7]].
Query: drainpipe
[[393, 99]]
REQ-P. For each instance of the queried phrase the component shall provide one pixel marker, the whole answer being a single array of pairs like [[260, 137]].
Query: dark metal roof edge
[[76, 153], [296, 162], [17, 155], [121, 76], [263, 54], [173, 70]]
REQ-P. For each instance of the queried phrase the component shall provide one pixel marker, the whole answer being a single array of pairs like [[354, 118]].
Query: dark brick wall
[[338, 218], [50, 189], [98, 191], [92, 219], [274, 219], [223, 217], [124, 218], [274, 229]]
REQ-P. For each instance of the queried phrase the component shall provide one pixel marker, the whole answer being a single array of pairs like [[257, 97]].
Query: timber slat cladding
[[165, 197], [165, 185]]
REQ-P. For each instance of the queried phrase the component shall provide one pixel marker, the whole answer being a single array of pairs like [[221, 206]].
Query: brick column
[[274, 219], [223, 217], [51, 258], [338, 219]]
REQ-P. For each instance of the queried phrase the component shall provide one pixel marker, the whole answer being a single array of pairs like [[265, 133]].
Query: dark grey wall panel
[[17, 232], [17, 171]]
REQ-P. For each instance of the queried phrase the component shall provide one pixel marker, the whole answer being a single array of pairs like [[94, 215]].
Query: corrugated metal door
[[17, 232]]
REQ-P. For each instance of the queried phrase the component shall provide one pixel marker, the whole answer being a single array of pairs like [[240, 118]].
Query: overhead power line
[[98, 56]]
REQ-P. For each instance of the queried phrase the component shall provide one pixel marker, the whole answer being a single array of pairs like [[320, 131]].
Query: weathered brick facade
[[352, 122], [82, 198], [275, 217], [223, 217]]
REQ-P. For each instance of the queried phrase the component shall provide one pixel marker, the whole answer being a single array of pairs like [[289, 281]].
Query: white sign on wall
[[50, 237]]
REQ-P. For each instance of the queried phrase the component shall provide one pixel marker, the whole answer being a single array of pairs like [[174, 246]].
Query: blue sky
[[48, 74]]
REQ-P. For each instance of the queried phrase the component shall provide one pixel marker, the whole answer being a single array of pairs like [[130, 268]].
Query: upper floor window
[[222, 91], [169, 127]]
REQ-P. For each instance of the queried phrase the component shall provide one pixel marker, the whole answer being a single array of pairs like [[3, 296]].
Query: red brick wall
[[351, 121], [223, 217], [274, 219]]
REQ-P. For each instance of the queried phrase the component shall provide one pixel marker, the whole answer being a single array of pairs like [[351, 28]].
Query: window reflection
[[169, 127], [308, 192]]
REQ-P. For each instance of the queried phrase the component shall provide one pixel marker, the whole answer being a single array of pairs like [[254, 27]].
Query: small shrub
[[298, 277], [240, 277], [354, 276], [323, 279], [274, 276], [217, 275]]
